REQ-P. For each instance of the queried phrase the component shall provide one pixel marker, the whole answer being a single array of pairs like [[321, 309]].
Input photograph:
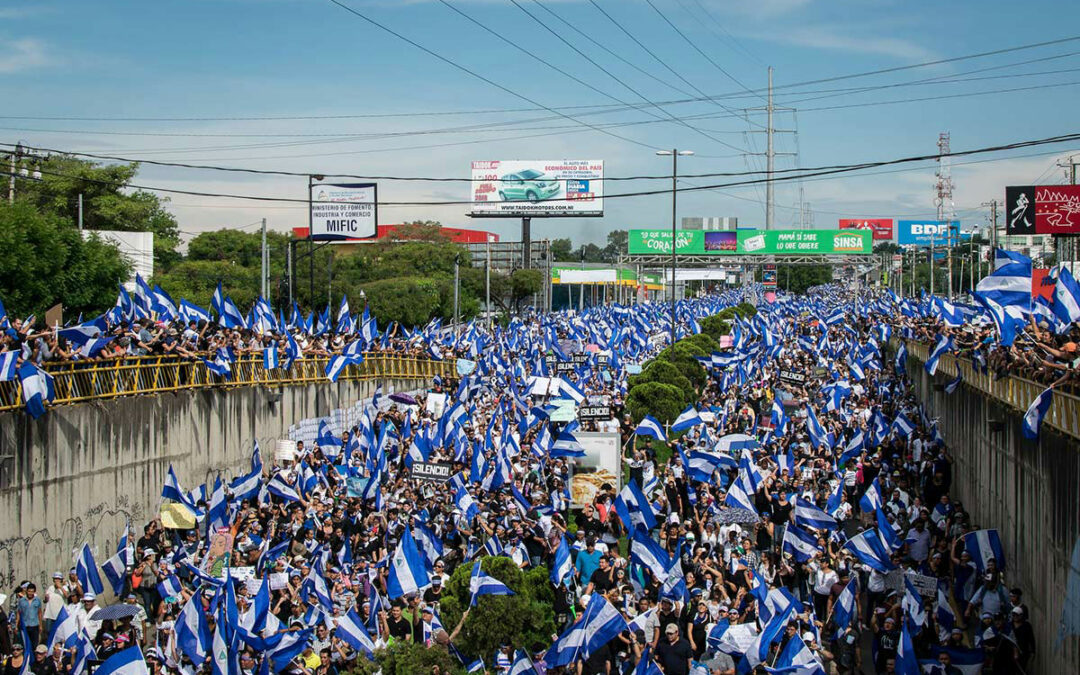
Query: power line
[[725, 31], [477, 75], [806, 173]]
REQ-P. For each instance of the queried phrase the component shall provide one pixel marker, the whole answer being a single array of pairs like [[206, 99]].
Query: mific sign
[[343, 211]]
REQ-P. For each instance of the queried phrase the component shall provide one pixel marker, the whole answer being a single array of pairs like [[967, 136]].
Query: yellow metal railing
[[1064, 412], [77, 382]]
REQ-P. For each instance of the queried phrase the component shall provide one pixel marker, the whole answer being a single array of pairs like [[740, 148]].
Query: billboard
[[1057, 209], [751, 242], [881, 227], [343, 211], [538, 188], [1020, 209], [923, 232]]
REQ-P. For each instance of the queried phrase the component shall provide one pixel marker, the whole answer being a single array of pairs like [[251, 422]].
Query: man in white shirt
[[84, 616]]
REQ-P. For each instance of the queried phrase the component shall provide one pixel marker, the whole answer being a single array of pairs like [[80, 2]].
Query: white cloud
[[22, 54], [855, 40]]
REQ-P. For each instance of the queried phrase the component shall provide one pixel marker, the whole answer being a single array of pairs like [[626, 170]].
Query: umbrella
[[403, 398], [113, 612], [735, 515]]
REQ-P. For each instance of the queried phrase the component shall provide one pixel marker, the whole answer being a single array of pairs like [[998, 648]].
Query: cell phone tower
[[946, 207]]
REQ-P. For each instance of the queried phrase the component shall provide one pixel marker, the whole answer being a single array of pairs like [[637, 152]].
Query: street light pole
[[674, 152]]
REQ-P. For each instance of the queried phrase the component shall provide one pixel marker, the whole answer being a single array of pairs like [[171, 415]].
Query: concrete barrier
[[1027, 490], [80, 472]]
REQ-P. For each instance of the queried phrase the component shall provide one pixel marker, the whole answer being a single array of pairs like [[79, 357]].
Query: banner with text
[[544, 188], [343, 211], [881, 227], [751, 242]]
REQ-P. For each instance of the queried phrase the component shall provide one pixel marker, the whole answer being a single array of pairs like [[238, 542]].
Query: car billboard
[[751, 242], [881, 227], [540, 188], [925, 232], [343, 211]]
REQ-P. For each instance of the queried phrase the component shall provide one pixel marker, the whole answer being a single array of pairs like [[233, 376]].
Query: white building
[[137, 247]]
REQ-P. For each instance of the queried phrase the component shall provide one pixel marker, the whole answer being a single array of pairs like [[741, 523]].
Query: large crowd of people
[[798, 515]]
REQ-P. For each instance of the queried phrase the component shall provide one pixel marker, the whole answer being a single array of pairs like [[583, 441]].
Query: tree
[[887, 247], [108, 202], [524, 283], [524, 619], [196, 281], [43, 261], [617, 242], [662, 401], [561, 250], [420, 230], [406, 658], [409, 301]]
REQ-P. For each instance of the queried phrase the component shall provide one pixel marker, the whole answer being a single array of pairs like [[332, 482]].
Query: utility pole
[[581, 288], [944, 197], [931, 263], [457, 263], [487, 282], [770, 156], [264, 258], [1070, 166]]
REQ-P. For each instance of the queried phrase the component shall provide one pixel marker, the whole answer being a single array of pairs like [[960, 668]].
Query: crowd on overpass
[[796, 517]]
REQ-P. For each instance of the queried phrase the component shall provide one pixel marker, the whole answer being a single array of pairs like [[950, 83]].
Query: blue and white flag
[[809, 515], [687, 419], [128, 661], [600, 624], [270, 357], [633, 508], [9, 368], [941, 347], [522, 664], [646, 666], [800, 544], [1066, 305], [64, 631], [1033, 418], [193, 632], [566, 445], [952, 385], [844, 608], [350, 629], [944, 614], [901, 358], [87, 572], [907, 663], [871, 500], [84, 332], [481, 583], [647, 552], [796, 659], [115, 568], [466, 504], [818, 437], [563, 566], [408, 573], [37, 388], [1009, 284], [870, 550], [758, 650], [902, 426], [984, 546], [963, 661], [912, 604], [650, 426], [191, 312], [281, 489], [570, 389]]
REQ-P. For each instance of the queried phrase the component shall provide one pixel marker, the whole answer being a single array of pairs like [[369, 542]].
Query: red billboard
[[881, 227], [1057, 209]]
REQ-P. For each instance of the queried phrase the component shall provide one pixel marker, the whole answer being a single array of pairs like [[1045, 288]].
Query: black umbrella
[[735, 515], [113, 612]]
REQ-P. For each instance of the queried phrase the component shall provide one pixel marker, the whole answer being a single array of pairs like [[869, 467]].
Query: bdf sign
[[925, 232]]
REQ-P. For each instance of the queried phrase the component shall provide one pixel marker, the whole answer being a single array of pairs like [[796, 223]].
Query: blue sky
[[293, 58]]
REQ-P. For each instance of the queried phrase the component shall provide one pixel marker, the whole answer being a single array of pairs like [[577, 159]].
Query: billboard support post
[[526, 241]]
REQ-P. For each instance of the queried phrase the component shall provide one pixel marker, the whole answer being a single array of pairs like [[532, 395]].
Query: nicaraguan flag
[[984, 546], [481, 583], [350, 629], [115, 568], [37, 389], [87, 572], [952, 385], [800, 544], [871, 500], [912, 604], [902, 426], [941, 347], [522, 664], [809, 515], [1033, 418], [600, 624], [758, 650], [270, 357], [9, 369], [687, 419], [408, 573], [650, 426], [281, 489], [191, 312], [645, 551], [633, 508], [570, 389], [1066, 305], [65, 630], [566, 446], [84, 332], [818, 437], [564, 566], [945, 616], [870, 550], [1009, 284], [128, 661], [844, 608], [779, 419], [901, 358], [906, 661], [1005, 323]]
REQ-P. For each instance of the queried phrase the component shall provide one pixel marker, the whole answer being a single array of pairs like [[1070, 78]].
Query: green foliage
[[407, 658], [525, 283], [662, 401], [745, 310], [239, 248], [705, 342], [523, 619], [798, 278], [409, 301], [44, 261], [107, 204], [716, 326], [660, 370], [682, 357], [560, 250]]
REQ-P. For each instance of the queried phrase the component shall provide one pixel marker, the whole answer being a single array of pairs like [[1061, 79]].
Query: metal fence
[[1017, 392], [77, 382]]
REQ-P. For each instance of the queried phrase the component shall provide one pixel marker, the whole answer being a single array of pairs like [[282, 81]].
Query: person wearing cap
[[53, 598], [84, 615], [673, 653], [1024, 636], [41, 665], [16, 663], [989, 598], [886, 637]]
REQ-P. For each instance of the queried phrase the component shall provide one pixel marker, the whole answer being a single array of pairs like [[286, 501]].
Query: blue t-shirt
[[28, 612]]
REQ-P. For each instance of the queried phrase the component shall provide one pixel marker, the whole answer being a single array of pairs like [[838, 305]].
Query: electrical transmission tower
[[943, 199]]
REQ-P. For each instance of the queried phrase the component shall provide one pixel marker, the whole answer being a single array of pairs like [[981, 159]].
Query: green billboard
[[751, 242]]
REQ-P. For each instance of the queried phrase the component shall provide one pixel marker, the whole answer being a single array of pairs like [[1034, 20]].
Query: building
[[137, 247], [458, 235]]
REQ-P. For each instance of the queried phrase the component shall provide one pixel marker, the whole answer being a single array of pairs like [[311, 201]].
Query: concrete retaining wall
[[1029, 491], [79, 472]]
